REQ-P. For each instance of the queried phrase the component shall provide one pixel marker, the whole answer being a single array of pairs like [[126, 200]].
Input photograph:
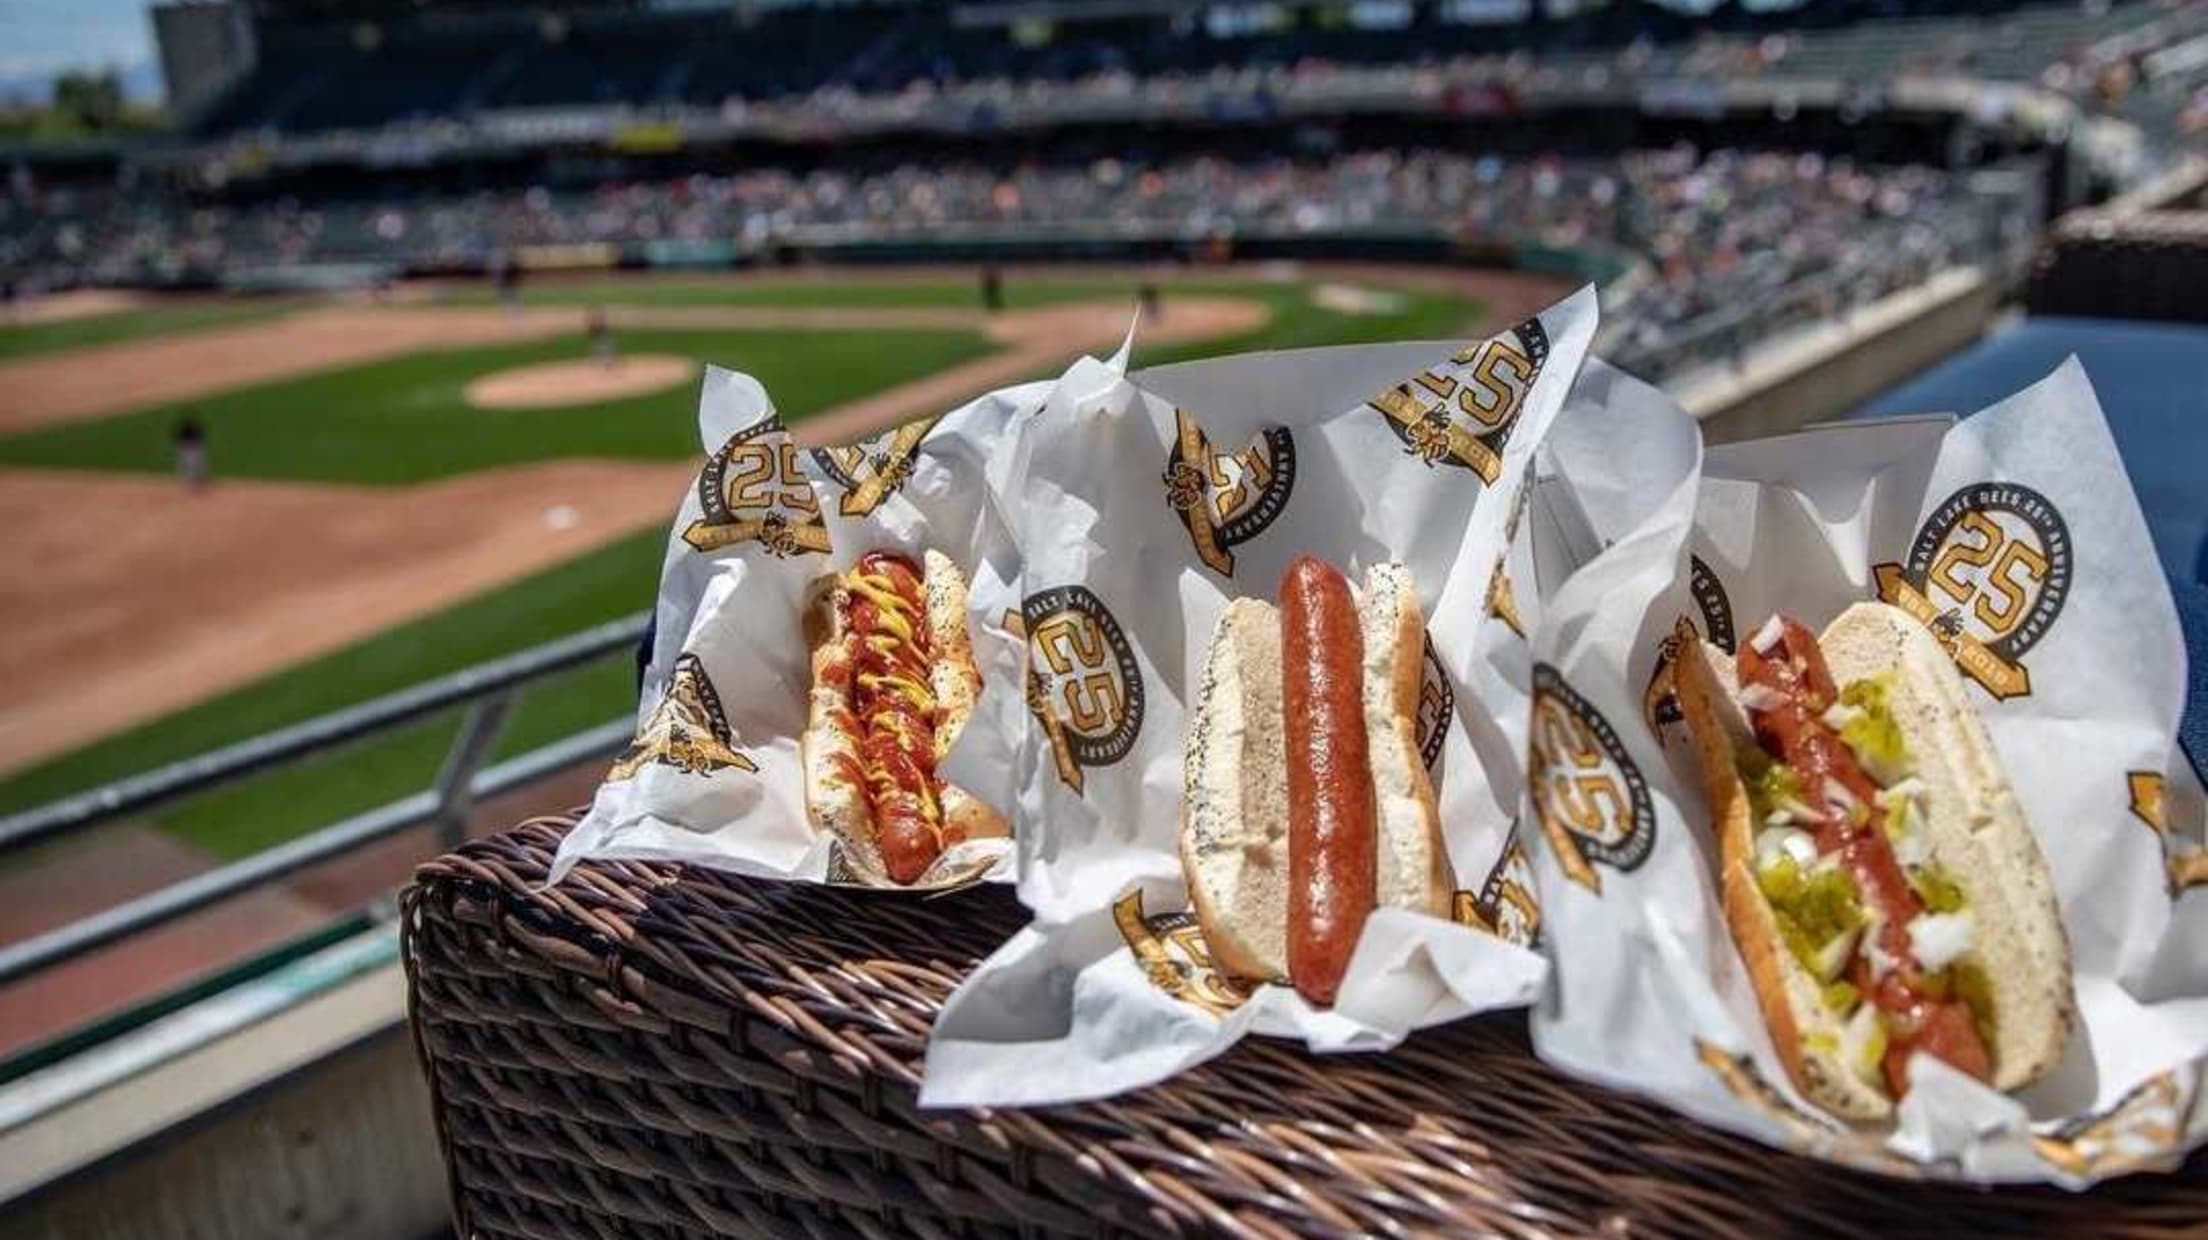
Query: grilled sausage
[[1332, 848]]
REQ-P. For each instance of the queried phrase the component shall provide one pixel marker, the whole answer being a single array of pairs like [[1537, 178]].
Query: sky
[[40, 38]]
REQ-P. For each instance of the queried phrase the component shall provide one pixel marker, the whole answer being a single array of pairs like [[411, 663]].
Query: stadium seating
[[315, 77], [1732, 243]]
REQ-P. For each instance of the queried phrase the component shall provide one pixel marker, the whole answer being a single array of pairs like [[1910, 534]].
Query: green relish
[[1900, 817], [1770, 784], [1939, 891], [1812, 908], [1872, 735]]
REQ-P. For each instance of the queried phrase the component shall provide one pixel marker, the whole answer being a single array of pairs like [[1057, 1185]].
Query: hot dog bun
[[957, 682], [1234, 824], [1414, 860], [1973, 829], [1977, 831], [830, 749], [1807, 1034], [1234, 832]]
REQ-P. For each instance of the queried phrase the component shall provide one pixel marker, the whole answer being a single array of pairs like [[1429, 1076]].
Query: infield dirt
[[130, 597]]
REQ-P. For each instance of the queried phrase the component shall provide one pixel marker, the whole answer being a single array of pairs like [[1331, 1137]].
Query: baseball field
[[406, 484]]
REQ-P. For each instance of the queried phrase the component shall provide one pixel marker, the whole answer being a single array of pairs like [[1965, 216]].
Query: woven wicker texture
[[661, 1051]]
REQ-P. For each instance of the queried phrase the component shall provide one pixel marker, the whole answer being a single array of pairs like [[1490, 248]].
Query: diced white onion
[[1912, 844], [1857, 1039], [1834, 954], [1874, 952], [1761, 697], [1794, 811], [1902, 790], [1838, 794], [1773, 843], [1839, 715], [1913, 847], [1768, 636], [1938, 938]]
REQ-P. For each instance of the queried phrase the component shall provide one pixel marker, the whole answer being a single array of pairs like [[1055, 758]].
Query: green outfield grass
[[1298, 324], [27, 339], [613, 581], [1297, 321], [804, 371], [404, 420], [826, 294]]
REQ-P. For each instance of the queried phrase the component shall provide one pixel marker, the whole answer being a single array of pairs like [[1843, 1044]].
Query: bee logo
[[2149, 804], [871, 470], [688, 730], [1660, 705], [1437, 705], [1227, 499], [1502, 602], [1083, 685], [753, 491], [1804, 1130], [2141, 1129], [1462, 412], [1502, 597], [1592, 801], [1987, 574], [1505, 905], [1171, 949]]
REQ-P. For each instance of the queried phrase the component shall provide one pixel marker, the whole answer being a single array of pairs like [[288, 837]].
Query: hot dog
[[893, 682], [1332, 849], [1307, 803], [1878, 876]]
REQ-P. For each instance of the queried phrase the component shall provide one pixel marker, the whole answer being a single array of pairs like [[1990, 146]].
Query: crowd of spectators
[[2147, 59], [2129, 60], [1716, 231]]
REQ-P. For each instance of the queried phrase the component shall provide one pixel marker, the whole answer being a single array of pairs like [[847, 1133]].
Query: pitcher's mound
[[555, 385]]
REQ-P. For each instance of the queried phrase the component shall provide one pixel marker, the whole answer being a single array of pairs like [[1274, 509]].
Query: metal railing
[[487, 690]]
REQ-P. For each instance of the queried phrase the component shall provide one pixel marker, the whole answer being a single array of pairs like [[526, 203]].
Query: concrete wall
[[1820, 373], [341, 1148]]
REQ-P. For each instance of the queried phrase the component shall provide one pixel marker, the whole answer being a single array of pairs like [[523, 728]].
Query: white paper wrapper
[[1144, 505], [714, 776], [2082, 702]]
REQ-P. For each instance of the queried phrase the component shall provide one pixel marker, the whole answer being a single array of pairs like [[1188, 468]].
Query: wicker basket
[[661, 1051]]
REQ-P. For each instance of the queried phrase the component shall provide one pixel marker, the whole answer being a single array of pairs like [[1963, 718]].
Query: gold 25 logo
[[753, 490], [1591, 799], [1461, 412], [1988, 574], [1082, 681], [1227, 499]]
